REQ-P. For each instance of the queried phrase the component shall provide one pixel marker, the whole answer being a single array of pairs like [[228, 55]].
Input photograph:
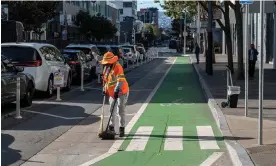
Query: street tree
[[85, 23], [33, 14], [96, 26], [177, 7]]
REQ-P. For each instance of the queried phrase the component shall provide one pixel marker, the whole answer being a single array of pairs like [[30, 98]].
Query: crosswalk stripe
[[174, 138], [206, 137], [139, 141]]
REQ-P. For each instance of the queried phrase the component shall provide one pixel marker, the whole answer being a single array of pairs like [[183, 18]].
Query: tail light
[[73, 62], [29, 63]]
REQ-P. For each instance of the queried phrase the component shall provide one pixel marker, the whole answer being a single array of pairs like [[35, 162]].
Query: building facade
[[149, 16]]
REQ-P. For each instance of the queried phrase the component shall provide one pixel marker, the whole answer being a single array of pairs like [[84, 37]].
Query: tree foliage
[[175, 9], [95, 26], [32, 13]]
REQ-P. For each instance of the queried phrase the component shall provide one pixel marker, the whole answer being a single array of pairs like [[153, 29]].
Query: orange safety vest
[[115, 75]]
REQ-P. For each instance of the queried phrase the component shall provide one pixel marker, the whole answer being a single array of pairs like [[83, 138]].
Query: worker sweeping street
[[116, 87]]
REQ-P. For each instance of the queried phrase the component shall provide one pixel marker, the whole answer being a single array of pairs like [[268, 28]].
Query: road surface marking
[[206, 137], [180, 88], [117, 144], [140, 139], [210, 160], [174, 138], [56, 116]]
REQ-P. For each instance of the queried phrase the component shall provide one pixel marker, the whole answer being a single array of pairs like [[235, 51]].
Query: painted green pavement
[[178, 102]]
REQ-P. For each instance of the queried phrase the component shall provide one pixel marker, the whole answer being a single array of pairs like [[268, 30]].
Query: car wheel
[[28, 97], [50, 89], [69, 82]]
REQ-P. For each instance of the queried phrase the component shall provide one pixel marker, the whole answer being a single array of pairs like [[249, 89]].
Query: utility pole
[[246, 58], [274, 37], [209, 56], [185, 21], [261, 75], [198, 24]]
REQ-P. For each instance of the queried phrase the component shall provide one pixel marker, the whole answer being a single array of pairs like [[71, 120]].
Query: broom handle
[[112, 110]]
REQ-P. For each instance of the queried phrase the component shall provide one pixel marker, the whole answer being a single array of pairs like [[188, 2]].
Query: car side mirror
[[19, 69]]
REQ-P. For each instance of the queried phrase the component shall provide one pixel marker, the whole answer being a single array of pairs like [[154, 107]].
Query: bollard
[[17, 114], [99, 78], [127, 64], [58, 94], [82, 78]]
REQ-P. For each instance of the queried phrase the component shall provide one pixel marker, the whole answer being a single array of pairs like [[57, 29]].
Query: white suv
[[40, 60]]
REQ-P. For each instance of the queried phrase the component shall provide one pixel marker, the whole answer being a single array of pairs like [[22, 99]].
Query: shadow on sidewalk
[[8, 155], [191, 138], [57, 115]]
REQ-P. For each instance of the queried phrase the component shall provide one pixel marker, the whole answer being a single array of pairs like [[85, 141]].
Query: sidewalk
[[239, 125]]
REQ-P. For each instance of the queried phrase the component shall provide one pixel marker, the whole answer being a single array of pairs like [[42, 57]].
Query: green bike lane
[[176, 128]]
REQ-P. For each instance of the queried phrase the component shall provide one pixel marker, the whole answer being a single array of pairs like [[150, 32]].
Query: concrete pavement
[[246, 128]]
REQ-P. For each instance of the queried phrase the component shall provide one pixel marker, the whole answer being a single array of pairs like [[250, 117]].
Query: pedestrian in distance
[[252, 58], [116, 87], [197, 50]]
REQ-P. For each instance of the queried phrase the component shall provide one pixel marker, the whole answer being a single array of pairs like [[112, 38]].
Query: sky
[[147, 4]]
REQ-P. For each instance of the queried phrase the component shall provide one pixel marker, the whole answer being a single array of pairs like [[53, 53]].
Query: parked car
[[118, 51], [102, 49], [129, 54], [173, 44], [9, 74], [42, 61], [77, 59], [142, 51], [91, 52], [136, 55]]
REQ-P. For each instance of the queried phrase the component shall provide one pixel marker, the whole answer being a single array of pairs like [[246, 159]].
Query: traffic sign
[[246, 2]]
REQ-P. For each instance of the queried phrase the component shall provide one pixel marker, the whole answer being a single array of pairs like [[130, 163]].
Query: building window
[[121, 11], [127, 4]]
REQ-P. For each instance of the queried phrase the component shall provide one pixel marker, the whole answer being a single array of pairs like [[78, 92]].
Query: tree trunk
[[239, 25], [228, 38]]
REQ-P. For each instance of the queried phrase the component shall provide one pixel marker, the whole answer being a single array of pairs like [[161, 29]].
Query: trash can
[[233, 94]]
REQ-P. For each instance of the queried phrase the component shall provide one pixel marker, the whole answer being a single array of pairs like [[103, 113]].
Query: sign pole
[[261, 77], [246, 59], [274, 38]]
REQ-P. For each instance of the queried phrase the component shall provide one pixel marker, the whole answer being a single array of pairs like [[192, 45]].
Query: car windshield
[[19, 54], [132, 47], [102, 50], [85, 50], [70, 55], [126, 50]]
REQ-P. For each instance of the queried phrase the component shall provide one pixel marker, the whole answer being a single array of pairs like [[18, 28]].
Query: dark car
[[173, 44], [9, 74], [103, 49], [77, 59]]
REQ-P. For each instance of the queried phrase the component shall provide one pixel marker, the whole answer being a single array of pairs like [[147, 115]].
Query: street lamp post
[[209, 56]]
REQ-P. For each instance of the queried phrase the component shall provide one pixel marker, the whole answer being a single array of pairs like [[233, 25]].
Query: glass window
[[48, 53], [7, 65], [127, 4], [121, 11], [20, 54]]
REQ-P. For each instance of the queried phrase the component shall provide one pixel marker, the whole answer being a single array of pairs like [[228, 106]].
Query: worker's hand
[[116, 95], [104, 92]]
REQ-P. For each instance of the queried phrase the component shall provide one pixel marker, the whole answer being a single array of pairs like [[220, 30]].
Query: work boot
[[122, 132]]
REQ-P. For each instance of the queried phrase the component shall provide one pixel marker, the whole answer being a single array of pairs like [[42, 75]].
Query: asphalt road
[[65, 133], [47, 120]]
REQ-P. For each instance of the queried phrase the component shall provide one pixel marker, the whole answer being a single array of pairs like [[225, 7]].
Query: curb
[[237, 152]]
